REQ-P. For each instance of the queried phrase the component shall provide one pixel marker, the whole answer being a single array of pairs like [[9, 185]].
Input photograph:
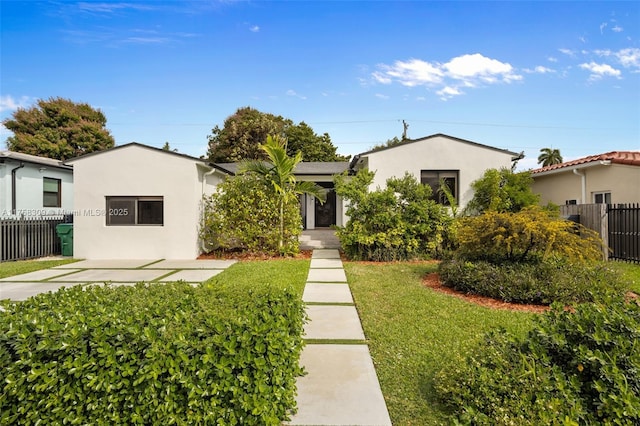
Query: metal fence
[[624, 231], [29, 238], [617, 224]]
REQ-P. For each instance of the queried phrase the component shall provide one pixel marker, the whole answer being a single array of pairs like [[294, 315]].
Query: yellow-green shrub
[[532, 234]]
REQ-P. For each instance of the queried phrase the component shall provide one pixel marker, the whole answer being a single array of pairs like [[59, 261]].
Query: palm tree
[[279, 173], [549, 156]]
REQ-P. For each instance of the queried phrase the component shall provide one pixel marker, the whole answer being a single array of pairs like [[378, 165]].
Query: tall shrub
[[398, 222]]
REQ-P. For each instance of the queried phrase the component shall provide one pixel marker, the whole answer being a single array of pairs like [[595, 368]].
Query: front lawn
[[9, 269], [414, 332], [630, 272]]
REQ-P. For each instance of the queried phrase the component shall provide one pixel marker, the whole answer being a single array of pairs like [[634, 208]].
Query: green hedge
[[578, 366], [553, 280], [151, 354]]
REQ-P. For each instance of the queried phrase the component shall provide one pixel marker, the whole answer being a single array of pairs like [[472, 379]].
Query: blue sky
[[514, 75]]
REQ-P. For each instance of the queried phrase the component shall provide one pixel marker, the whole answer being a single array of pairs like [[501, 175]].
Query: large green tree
[[58, 128], [243, 132], [549, 156]]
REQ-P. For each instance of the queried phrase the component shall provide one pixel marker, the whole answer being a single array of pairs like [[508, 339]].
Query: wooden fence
[[29, 238], [617, 224]]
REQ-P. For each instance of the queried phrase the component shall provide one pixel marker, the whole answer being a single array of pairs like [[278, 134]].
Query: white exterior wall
[[139, 171], [29, 189], [437, 153]]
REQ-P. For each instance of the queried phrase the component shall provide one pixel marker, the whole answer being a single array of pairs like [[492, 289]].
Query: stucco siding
[[137, 171], [622, 181], [438, 153]]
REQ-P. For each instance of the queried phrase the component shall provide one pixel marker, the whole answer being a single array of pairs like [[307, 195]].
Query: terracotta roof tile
[[616, 157]]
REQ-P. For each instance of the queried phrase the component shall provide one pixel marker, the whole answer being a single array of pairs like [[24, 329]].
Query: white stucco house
[[457, 161], [34, 187], [608, 178], [140, 202]]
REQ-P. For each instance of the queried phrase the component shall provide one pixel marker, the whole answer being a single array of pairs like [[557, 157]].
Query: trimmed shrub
[[151, 354], [244, 216], [554, 280], [398, 222], [574, 367], [532, 234]]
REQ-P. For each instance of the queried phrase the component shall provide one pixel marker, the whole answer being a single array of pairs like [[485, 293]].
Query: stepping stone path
[[341, 386]]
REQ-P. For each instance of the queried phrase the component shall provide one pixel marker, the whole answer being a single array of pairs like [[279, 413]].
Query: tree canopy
[[243, 132], [502, 191], [58, 128], [549, 156]]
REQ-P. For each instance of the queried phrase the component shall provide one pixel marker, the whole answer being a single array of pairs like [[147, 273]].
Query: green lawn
[[280, 272], [415, 331], [9, 269], [631, 273]]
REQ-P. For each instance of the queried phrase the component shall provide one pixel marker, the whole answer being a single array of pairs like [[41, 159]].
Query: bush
[[554, 280], [244, 215], [573, 368], [398, 222], [532, 234], [151, 354]]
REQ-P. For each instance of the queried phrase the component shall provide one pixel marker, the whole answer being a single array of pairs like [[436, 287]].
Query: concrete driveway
[[114, 272]]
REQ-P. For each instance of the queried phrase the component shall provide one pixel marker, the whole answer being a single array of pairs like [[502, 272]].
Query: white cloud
[[381, 96], [254, 29], [293, 93], [600, 70], [629, 58], [471, 70], [539, 70], [413, 72], [552, 59], [8, 103], [567, 52], [448, 93], [617, 29], [602, 27]]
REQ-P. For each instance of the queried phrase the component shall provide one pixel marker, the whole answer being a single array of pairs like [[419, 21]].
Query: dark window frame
[[604, 195], [134, 210], [58, 193], [437, 195]]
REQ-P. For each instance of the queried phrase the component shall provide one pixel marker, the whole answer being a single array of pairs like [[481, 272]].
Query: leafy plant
[[502, 191], [151, 354], [532, 234], [578, 366], [278, 173], [395, 223]]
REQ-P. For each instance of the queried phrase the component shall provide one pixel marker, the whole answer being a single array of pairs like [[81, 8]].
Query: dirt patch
[[433, 281], [238, 255]]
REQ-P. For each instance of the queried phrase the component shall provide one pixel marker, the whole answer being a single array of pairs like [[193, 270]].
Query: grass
[[415, 331], [630, 272], [9, 269], [279, 272]]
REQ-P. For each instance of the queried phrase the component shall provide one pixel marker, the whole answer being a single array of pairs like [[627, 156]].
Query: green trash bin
[[65, 232]]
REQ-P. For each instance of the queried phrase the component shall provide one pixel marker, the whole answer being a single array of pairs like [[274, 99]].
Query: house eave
[[571, 168]]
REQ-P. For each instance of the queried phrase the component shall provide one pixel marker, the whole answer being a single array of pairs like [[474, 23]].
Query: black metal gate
[[624, 231]]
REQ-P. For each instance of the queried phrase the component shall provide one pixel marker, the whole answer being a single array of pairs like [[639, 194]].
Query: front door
[[326, 213]]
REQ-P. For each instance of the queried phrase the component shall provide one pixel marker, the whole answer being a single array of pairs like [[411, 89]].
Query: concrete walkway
[[114, 272], [341, 386]]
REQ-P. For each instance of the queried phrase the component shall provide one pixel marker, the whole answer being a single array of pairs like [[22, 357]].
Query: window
[[128, 211], [433, 179], [51, 191], [571, 202], [602, 197]]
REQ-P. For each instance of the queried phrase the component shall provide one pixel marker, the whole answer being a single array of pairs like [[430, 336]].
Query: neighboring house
[[138, 202], [33, 187], [610, 178], [433, 159]]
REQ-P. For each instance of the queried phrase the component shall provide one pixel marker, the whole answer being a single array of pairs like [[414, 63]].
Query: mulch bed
[[433, 281]]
